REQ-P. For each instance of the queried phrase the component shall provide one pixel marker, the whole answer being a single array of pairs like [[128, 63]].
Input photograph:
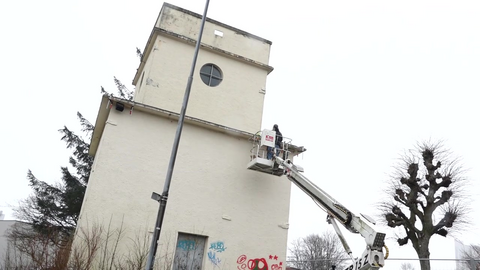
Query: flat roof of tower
[[239, 31]]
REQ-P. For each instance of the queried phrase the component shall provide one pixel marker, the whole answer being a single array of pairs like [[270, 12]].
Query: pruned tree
[[315, 252], [471, 255], [425, 198]]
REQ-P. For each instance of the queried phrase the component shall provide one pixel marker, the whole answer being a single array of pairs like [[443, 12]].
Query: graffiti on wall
[[213, 250], [275, 266], [218, 246], [212, 257], [186, 245], [243, 263]]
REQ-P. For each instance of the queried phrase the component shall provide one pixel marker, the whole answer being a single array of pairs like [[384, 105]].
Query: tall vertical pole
[[173, 156]]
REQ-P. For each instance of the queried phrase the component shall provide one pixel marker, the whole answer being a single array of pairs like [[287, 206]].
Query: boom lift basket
[[261, 142]]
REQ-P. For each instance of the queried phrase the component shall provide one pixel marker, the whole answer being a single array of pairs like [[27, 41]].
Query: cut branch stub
[[396, 210], [449, 219], [427, 155], [393, 220], [446, 181], [400, 193], [446, 194], [402, 241], [413, 170], [442, 232]]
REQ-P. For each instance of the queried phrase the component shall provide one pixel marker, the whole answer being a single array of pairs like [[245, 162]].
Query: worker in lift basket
[[278, 142]]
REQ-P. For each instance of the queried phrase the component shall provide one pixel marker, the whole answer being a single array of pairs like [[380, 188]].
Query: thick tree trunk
[[424, 264], [424, 254]]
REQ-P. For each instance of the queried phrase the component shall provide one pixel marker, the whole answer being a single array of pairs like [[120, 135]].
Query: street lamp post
[[162, 199]]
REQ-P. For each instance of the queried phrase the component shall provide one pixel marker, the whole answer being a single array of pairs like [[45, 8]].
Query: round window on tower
[[211, 75]]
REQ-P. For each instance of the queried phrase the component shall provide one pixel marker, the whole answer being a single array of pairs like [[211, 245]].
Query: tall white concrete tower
[[219, 215]]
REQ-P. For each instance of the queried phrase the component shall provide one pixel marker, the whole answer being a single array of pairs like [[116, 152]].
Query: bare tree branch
[[427, 183], [317, 252]]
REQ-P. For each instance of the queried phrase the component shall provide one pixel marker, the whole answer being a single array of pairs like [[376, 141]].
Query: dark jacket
[[278, 138]]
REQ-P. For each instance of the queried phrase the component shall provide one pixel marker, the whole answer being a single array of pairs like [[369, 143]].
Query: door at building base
[[189, 252]]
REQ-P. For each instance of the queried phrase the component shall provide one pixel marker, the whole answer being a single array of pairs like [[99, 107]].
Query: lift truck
[[373, 257]]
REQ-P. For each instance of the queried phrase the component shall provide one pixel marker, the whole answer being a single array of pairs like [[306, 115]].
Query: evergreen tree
[[56, 207]]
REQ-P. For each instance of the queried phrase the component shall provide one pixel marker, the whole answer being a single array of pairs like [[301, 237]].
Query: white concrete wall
[[4, 227], [237, 102], [234, 40], [9, 255], [210, 183]]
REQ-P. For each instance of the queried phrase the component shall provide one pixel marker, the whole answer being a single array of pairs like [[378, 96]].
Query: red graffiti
[[241, 259], [273, 257], [258, 264], [277, 267]]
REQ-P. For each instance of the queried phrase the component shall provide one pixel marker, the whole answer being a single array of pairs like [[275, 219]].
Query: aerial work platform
[[263, 141], [280, 163]]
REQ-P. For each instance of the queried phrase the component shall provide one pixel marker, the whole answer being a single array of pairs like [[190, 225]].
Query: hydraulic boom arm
[[372, 258]]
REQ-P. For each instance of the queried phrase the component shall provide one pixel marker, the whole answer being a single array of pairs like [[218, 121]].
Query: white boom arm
[[372, 258]]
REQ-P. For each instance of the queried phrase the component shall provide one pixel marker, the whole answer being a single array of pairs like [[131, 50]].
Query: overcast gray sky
[[355, 82]]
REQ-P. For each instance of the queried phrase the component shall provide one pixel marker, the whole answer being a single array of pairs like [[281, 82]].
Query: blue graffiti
[[218, 246], [186, 244], [212, 256]]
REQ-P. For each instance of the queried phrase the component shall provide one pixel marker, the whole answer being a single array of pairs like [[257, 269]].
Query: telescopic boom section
[[373, 257]]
